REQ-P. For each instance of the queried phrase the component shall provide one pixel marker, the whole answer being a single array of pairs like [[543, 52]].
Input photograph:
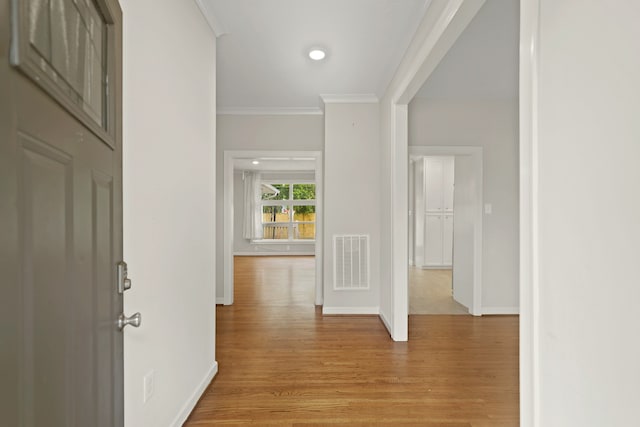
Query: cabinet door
[[447, 183], [433, 240], [447, 240], [433, 184]]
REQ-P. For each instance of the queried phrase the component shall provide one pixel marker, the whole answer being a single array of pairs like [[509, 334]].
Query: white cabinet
[[433, 184], [438, 211]]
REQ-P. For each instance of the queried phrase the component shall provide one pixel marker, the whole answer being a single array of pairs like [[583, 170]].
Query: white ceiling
[[262, 55], [483, 63]]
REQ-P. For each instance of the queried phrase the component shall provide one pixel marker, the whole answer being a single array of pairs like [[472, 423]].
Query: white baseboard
[[500, 310], [182, 416], [350, 310], [436, 267], [386, 323], [290, 253], [220, 300]]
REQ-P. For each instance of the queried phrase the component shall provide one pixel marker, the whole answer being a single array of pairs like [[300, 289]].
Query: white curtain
[[252, 227]]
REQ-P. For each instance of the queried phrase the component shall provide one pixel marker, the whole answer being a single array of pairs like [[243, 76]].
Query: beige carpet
[[430, 293]]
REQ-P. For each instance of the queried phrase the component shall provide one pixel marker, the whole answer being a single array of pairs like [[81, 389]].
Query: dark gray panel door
[[60, 213]]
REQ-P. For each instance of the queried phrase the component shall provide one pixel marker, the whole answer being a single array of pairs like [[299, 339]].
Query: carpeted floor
[[430, 293]]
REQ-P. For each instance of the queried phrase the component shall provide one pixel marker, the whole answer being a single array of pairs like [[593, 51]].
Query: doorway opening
[[431, 196], [272, 207], [445, 230]]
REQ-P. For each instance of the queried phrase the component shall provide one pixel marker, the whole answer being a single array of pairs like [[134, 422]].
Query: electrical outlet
[[148, 386]]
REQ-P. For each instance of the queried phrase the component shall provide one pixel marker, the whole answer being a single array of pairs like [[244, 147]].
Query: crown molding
[[279, 111], [354, 98], [211, 19]]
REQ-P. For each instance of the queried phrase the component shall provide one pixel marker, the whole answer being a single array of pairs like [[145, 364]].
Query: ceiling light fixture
[[317, 54], [255, 162]]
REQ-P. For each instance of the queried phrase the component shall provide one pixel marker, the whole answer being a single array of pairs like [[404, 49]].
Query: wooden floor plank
[[284, 364]]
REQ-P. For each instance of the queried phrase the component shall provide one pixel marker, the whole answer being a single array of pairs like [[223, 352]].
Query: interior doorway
[[272, 206], [431, 234], [445, 230]]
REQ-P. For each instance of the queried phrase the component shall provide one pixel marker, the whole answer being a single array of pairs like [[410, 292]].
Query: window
[[67, 48], [288, 211]]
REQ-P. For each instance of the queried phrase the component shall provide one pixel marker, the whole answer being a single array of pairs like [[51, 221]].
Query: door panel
[[433, 183], [447, 239], [419, 213], [61, 227], [463, 238], [46, 193], [433, 240], [103, 303]]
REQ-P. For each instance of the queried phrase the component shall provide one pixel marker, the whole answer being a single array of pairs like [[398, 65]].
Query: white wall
[[588, 201], [443, 22], [259, 132], [493, 125], [352, 196], [242, 246], [169, 193]]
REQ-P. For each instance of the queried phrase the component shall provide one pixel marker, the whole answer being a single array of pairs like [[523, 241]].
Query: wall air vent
[[350, 262]]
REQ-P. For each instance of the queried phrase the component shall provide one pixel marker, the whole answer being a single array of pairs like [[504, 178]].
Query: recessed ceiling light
[[255, 162], [317, 54]]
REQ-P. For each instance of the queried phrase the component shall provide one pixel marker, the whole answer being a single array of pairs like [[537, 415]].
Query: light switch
[[488, 208]]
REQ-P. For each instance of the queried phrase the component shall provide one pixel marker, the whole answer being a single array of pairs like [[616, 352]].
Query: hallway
[[283, 363]]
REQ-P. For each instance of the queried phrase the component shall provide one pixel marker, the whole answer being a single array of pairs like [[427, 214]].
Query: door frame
[[428, 47], [476, 155], [429, 51], [529, 246], [228, 215]]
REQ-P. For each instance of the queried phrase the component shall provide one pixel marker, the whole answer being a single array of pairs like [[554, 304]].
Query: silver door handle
[[135, 320]]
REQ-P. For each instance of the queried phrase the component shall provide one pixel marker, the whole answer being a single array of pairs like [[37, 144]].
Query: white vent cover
[[350, 262]]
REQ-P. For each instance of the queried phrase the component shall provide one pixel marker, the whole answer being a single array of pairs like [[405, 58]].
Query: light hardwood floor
[[283, 363]]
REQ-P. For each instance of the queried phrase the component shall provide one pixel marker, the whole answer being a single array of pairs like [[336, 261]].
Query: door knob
[[134, 320]]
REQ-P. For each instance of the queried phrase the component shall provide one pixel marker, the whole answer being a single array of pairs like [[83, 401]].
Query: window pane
[[269, 192], [65, 41], [277, 214], [74, 45], [304, 231], [94, 64], [304, 191], [272, 191], [39, 27], [304, 218], [275, 222], [274, 231], [304, 213]]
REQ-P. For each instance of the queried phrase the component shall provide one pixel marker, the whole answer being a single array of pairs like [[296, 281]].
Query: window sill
[[282, 242]]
